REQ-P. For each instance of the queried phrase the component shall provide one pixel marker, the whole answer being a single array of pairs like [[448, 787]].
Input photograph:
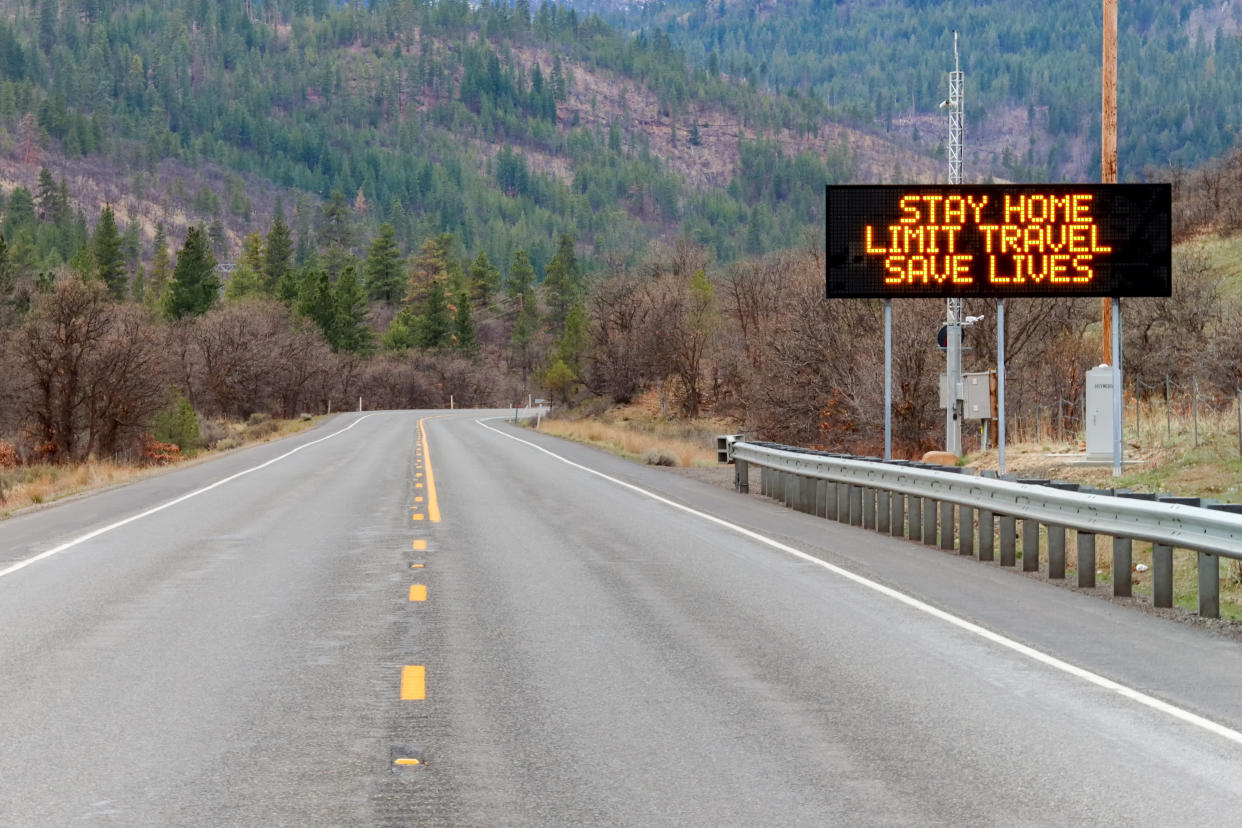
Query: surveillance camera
[[971, 320], [944, 103]]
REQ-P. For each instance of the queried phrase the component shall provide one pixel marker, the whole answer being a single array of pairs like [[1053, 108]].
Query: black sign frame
[[1047, 239]]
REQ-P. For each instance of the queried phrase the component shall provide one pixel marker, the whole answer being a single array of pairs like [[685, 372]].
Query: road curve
[[439, 619]]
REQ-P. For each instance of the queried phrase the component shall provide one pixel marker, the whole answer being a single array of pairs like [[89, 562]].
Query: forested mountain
[[504, 126], [1032, 70]]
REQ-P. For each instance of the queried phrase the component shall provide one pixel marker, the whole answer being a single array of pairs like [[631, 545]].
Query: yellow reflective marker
[[418, 592], [416, 566], [418, 500], [413, 683], [407, 760], [417, 516], [420, 545]]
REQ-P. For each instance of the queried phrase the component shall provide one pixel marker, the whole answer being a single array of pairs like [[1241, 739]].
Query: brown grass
[[650, 440], [29, 486]]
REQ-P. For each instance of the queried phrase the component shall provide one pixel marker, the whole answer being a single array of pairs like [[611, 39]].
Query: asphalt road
[[367, 632]]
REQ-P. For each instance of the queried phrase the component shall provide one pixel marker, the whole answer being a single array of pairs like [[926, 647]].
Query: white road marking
[[104, 529], [914, 603]]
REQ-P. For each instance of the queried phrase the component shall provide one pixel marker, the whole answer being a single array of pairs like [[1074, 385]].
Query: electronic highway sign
[[999, 240]]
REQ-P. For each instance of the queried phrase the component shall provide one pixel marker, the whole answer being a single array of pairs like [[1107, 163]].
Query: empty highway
[[437, 618]]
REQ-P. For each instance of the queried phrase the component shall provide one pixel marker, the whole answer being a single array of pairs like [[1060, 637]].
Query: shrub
[[177, 424], [159, 453], [9, 458]]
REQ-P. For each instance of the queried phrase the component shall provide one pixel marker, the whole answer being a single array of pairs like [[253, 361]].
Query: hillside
[[506, 131], [1032, 71]]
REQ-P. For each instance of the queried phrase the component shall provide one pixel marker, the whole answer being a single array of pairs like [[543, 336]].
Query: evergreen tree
[[109, 259], [195, 286], [7, 282], [463, 326], [430, 266], [248, 275], [562, 285], [383, 266], [46, 196], [484, 279], [156, 289], [316, 302], [436, 325], [351, 330], [526, 325], [278, 255]]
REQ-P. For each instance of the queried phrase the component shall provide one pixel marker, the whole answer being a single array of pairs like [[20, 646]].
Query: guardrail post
[[1123, 563], [882, 513], [821, 498], [929, 521], [965, 530], [868, 508], [1209, 585], [1030, 545], [741, 476], [897, 518], [856, 501], [1056, 552], [831, 499], [843, 503], [914, 522], [987, 536], [1086, 560], [1162, 575], [809, 487], [1008, 540], [763, 480], [946, 526]]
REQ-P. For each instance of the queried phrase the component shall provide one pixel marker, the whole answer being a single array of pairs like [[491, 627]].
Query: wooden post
[[1108, 145]]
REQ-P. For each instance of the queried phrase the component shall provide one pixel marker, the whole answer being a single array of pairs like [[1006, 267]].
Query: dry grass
[[640, 437], [24, 487]]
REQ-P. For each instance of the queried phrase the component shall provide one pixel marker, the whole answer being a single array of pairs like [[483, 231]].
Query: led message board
[[999, 240]]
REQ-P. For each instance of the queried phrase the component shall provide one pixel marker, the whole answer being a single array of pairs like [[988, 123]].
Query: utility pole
[[1108, 144], [1108, 175], [953, 321]]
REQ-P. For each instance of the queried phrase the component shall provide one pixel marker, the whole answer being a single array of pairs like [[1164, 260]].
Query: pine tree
[[156, 290], [430, 266], [463, 326], [279, 252], [109, 259], [248, 276], [521, 276], [383, 266], [435, 324], [484, 279], [46, 195], [562, 285], [195, 285], [522, 289], [351, 330]]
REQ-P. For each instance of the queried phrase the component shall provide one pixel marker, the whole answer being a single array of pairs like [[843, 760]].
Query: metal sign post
[[1117, 447], [1000, 386], [888, 379]]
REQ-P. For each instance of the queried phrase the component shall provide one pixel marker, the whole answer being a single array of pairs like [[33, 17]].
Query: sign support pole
[[1000, 386], [888, 379], [1117, 441]]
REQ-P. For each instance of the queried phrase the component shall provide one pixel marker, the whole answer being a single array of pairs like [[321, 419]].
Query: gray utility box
[[978, 395], [1099, 417]]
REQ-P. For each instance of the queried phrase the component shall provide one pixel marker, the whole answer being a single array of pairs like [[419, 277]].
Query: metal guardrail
[[907, 499]]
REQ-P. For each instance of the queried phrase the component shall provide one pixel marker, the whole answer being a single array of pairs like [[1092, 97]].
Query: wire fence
[[1153, 415]]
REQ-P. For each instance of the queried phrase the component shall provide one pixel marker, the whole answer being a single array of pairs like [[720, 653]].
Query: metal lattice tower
[[956, 124], [953, 320], [956, 120]]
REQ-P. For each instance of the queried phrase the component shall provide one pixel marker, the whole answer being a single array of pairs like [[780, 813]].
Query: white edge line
[[996, 638], [104, 529]]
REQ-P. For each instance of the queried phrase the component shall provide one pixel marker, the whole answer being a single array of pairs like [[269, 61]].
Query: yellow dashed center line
[[417, 516], [407, 760], [416, 566], [418, 592], [413, 682], [420, 545]]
